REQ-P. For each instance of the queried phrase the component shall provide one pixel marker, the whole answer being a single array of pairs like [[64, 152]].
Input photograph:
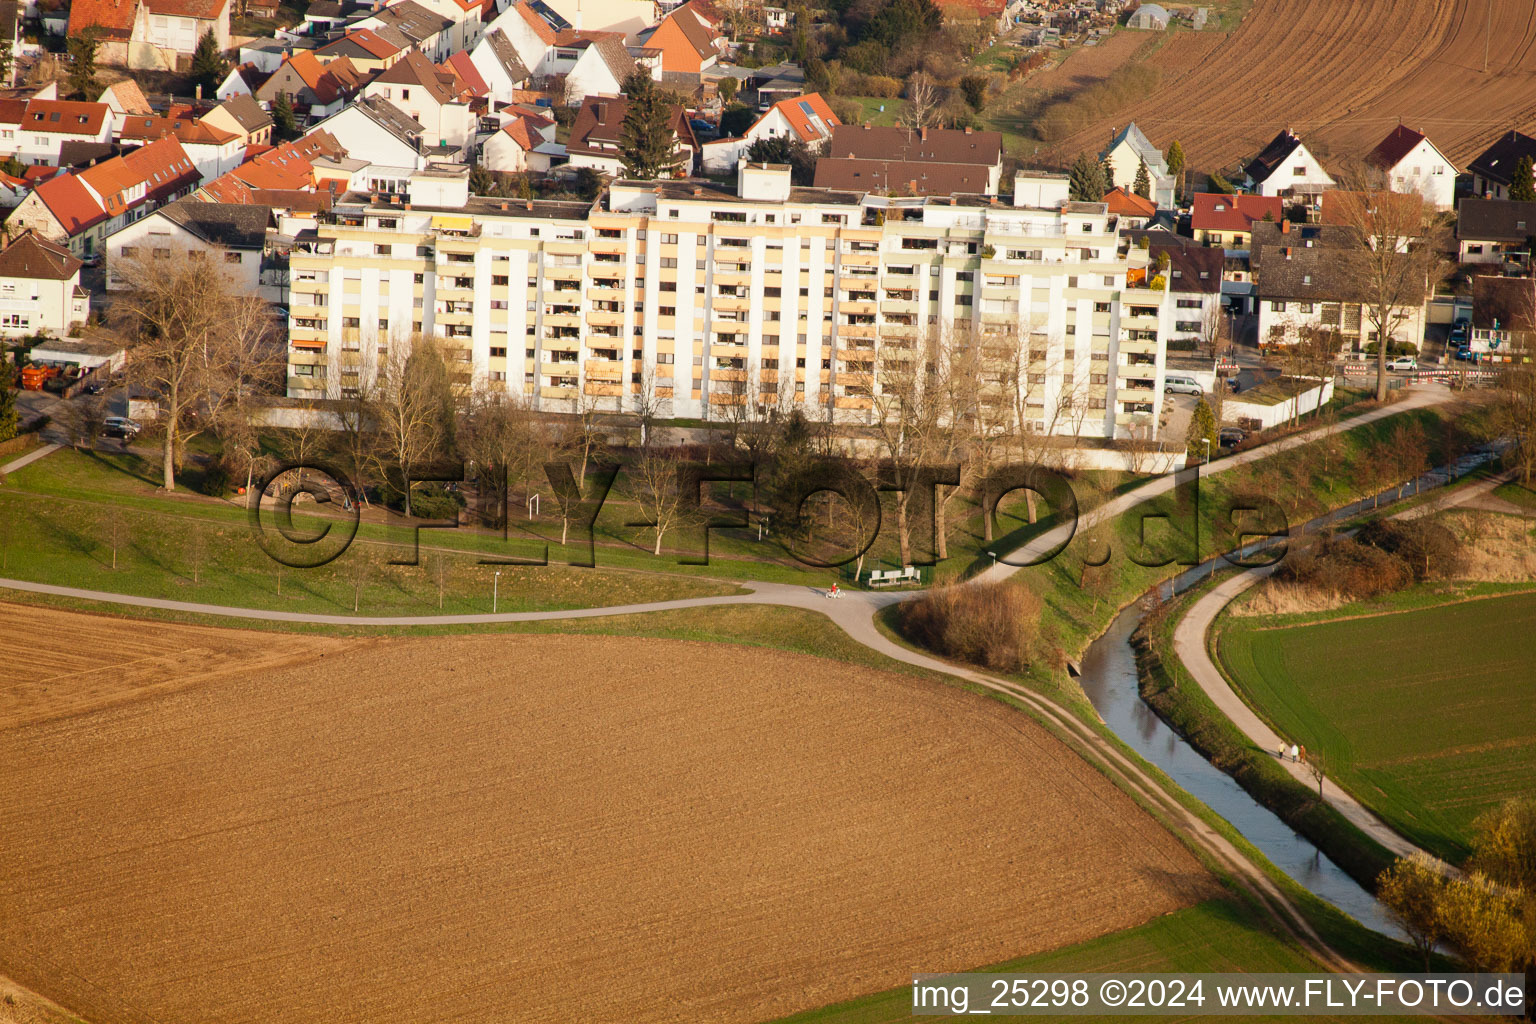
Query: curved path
[[855, 612], [1189, 643]]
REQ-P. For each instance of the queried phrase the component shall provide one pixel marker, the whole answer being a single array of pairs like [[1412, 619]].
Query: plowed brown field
[[1341, 73], [502, 828]]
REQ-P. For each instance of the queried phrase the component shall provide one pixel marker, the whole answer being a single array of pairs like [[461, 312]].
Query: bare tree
[[193, 336], [584, 439], [1391, 255], [502, 434], [922, 103], [653, 484], [409, 408], [908, 403]]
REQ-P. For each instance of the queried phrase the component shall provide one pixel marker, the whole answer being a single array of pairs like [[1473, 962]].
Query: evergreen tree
[[781, 149], [647, 141], [1522, 188], [1143, 186], [208, 67], [8, 417], [1087, 183], [481, 182], [82, 73], [1202, 428], [1106, 175], [284, 126], [1220, 184], [1175, 158], [728, 87]]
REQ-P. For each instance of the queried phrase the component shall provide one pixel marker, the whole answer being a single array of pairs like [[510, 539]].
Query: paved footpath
[[1189, 643], [30, 457]]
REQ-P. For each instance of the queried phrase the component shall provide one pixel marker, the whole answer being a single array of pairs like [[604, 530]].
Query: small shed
[[87, 353]]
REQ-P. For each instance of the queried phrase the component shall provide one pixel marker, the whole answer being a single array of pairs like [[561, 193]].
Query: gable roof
[[1124, 203], [71, 117], [901, 177], [1392, 149], [363, 43], [112, 18], [600, 121], [38, 259], [289, 165], [415, 69], [140, 129], [1497, 162], [700, 32], [542, 28], [70, 202], [1495, 220], [390, 118], [1140, 145], [1192, 268], [501, 48], [128, 96], [1276, 153], [461, 65], [203, 10], [940, 145], [413, 21], [610, 49], [328, 82], [1321, 272], [525, 132], [1217, 211], [247, 112], [809, 116], [233, 225]]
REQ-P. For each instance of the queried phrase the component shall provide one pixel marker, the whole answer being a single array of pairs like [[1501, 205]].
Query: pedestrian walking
[[1295, 752], [1280, 753]]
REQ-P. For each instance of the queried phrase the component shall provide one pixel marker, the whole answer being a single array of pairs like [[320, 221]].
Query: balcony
[[856, 330], [899, 306], [605, 369], [605, 318]]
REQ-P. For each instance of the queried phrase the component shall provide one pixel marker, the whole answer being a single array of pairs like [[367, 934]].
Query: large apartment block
[[691, 297]]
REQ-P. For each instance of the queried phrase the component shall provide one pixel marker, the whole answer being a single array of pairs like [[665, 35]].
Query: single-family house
[[1194, 277], [531, 28], [232, 236], [981, 153], [368, 49], [689, 39], [1494, 168], [149, 34], [1131, 211], [597, 131], [429, 97], [378, 132], [315, 89], [1226, 221], [1495, 231], [40, 127], [593, 64], [513, 147], [242, 116], [124, 98], [242, 80], [807, 119], [428, 31], [214, 151], [499, 65], [1411, 163], [40, 288], [1286, 168], [1128, 150]]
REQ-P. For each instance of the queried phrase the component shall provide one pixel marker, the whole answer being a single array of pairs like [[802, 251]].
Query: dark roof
[[245, 110], [1279, 234], [901, 177], [943, 145], [1193, 268], [229, 224], [1322, 273], [1495, 220], [1274, 154], [501, 48], [84, 154], [392, 119], [1511, 301], [38, 259], [413, 21], [600, 121], [1394, 147], [1497, 162]]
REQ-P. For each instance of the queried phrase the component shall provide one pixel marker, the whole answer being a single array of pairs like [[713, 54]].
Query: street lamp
[[495, 591], [1207, 442], [994, 558]]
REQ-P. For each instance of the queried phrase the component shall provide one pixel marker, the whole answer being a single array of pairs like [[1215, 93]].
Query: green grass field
[[1218, 935], [1425, 714]]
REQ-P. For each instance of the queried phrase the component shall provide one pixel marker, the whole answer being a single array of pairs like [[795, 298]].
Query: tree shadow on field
[[130, 464], [73, 539]]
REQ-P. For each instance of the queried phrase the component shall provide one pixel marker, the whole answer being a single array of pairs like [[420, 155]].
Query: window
[[668, 239], [378, 250], [130, 252], [1277, 307], [498, 279], [495, 351], [162, 254]]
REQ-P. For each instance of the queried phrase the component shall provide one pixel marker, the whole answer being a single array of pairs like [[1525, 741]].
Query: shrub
[[994, 625], [883, 86], [1424, 547], [215, 480], [1344, 566]]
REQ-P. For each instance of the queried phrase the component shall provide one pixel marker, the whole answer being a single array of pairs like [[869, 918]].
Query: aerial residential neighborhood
[[696, 510]]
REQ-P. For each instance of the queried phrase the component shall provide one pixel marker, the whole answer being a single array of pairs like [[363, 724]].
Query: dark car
[[120, 426], [1231, 437], [1465, 354], [703, 130], [1461, 331], [94, 387], [1234, 385]]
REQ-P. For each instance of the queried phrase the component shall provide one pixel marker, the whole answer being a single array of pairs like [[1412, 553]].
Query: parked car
[[94, 387], [1403, 363], [93, 260], [1461, 332], [1231, 437], [1178, 384], [1234, 385], [120, 426], [1465, 354], [703, 130]]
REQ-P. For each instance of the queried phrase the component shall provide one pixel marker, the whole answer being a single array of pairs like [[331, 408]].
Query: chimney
[[923, 135], [967, 129], [1285, 227], [198, 92], [697, 190], [503, 206], [1287, 252], [528, 204], [407, 206]]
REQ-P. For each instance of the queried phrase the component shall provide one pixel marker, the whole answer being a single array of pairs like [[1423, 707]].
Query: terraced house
[[693, 298]]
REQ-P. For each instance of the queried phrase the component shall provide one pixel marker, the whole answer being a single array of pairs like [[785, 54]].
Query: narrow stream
[[1110, 680]]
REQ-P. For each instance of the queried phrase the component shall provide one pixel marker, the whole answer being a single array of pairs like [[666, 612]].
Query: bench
[[893, 577]]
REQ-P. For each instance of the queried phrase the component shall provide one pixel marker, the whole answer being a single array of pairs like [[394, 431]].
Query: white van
[[1178, 384]]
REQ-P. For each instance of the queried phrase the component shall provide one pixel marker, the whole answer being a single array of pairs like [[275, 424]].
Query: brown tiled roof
[[1495, 220], [112, 18], [1192, 268], [1398, 144], [204, 10], [941, 145], [1217, 211], [37, 259], [68, 116], [541, 28], [901, 177]]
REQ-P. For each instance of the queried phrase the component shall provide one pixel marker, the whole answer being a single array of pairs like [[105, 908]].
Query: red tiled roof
[[203, 10], [196, 132], [38, 259], [1214, 211], [70, 117], [1124, 203], [71, 203], [289, 166], [794, 111], [112, 18], [326, 81], [524, 132], [367, 40], [461, 65], [1395, 146], [541, 28]]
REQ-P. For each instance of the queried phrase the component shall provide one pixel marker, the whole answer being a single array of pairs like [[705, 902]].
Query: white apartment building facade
[[689, 296]]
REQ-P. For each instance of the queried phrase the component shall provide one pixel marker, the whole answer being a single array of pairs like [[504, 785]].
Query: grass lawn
[[1516, 494], [1425, 714], [873, 112], [1218, 935]]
